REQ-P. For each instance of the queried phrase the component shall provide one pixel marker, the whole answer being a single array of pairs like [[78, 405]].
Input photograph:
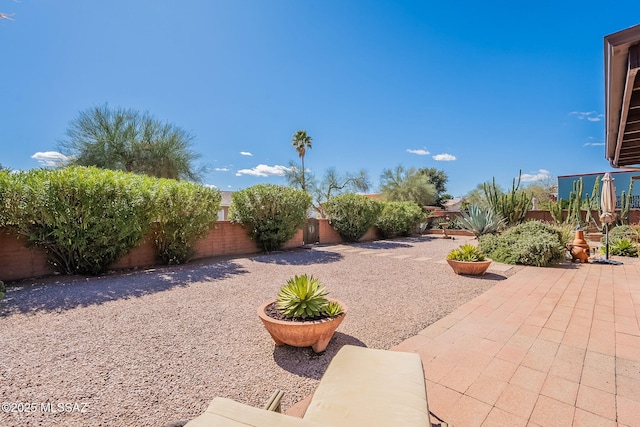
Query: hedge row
[[87, 218]]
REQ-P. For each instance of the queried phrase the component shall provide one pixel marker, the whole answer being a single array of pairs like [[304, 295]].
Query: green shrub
[[85, 218], [621, 247], [399, 218], [352, 215], [271, 213], [531, 243], [2, 289], [466, 252], [184, 213], [621, 232]]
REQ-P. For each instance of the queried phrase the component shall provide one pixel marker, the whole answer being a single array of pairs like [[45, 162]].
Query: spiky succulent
[[333, 308], [481, 221], [302, 297], [466, 252]]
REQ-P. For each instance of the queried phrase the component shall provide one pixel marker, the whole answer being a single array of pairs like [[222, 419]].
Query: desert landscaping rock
[[148, 347]]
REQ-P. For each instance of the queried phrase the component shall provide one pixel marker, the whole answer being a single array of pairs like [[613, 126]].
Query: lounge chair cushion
[[368, 387], [229, 413]]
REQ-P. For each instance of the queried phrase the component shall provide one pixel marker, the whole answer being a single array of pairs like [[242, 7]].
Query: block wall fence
[[18, 261]]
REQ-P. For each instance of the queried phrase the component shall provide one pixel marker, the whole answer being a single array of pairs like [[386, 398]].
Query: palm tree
[[301, 141]]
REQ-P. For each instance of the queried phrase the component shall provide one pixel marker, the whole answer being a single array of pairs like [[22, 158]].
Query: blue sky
[[477, 89]]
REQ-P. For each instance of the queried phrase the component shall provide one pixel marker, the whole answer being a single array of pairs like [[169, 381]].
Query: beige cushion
[[367, 387], [229, 413]]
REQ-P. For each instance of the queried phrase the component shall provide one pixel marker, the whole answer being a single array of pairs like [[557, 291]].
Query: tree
[[332, 184], [408, 185], [301, 141], [131, 141], [439, 179]]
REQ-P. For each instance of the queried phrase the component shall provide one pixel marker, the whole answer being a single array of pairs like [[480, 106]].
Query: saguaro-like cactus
[[512, 206]]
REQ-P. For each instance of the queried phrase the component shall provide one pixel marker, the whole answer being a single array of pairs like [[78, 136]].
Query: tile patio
[[545, 347]]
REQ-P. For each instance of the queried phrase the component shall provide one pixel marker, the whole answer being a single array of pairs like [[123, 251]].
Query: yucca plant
[[304, 297], [481, 221], [466, 252]]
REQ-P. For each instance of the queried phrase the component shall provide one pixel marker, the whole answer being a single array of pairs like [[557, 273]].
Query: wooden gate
[[311, 233]]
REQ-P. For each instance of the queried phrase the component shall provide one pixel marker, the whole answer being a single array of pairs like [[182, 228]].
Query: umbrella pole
[[606, 256]]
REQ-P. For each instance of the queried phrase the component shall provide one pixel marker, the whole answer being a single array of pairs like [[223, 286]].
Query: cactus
[[512, 206], [555, 209], [625, 205], [593, 204], [575, 204]]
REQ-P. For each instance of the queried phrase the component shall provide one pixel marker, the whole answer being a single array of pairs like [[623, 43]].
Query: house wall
[[622, 180]]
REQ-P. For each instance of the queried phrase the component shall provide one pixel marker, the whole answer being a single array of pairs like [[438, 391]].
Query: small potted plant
[[468, 259], [302, 315]]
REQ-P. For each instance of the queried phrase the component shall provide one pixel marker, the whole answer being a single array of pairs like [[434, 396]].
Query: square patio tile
[[486, 389], [549, 412], [501, 369], [628, 368], [597, 401], [528, 378], [499, 418], [584, 418], [560, 389], [628, 411], [469, 412], [517, 400]]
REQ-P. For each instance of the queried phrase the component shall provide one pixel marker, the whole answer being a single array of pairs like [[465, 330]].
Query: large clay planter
[[316, 334], [473, 268]]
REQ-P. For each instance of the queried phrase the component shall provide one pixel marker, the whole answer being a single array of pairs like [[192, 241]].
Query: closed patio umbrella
[[608, 206]]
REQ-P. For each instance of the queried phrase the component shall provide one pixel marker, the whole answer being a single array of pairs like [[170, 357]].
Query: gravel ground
[[148, 347]]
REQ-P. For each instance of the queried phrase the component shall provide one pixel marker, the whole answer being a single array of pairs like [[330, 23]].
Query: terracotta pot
[[474, 268], [316, 333], [580, 242]]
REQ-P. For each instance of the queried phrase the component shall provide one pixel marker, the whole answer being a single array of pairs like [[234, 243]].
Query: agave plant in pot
[[302, 315], [468, 259]]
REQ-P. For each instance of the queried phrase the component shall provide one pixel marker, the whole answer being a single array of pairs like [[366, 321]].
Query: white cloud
[[246, 153], [221, 169], [444, 157], [210, 185], [51, 158], [591, 116], [540, 175], [418, 152], [593, 144], [263, 170]]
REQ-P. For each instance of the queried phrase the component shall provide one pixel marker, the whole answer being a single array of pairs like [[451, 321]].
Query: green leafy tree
[[127, 140], [439, 180], [270, 213], [408, 185], [301, 142]]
